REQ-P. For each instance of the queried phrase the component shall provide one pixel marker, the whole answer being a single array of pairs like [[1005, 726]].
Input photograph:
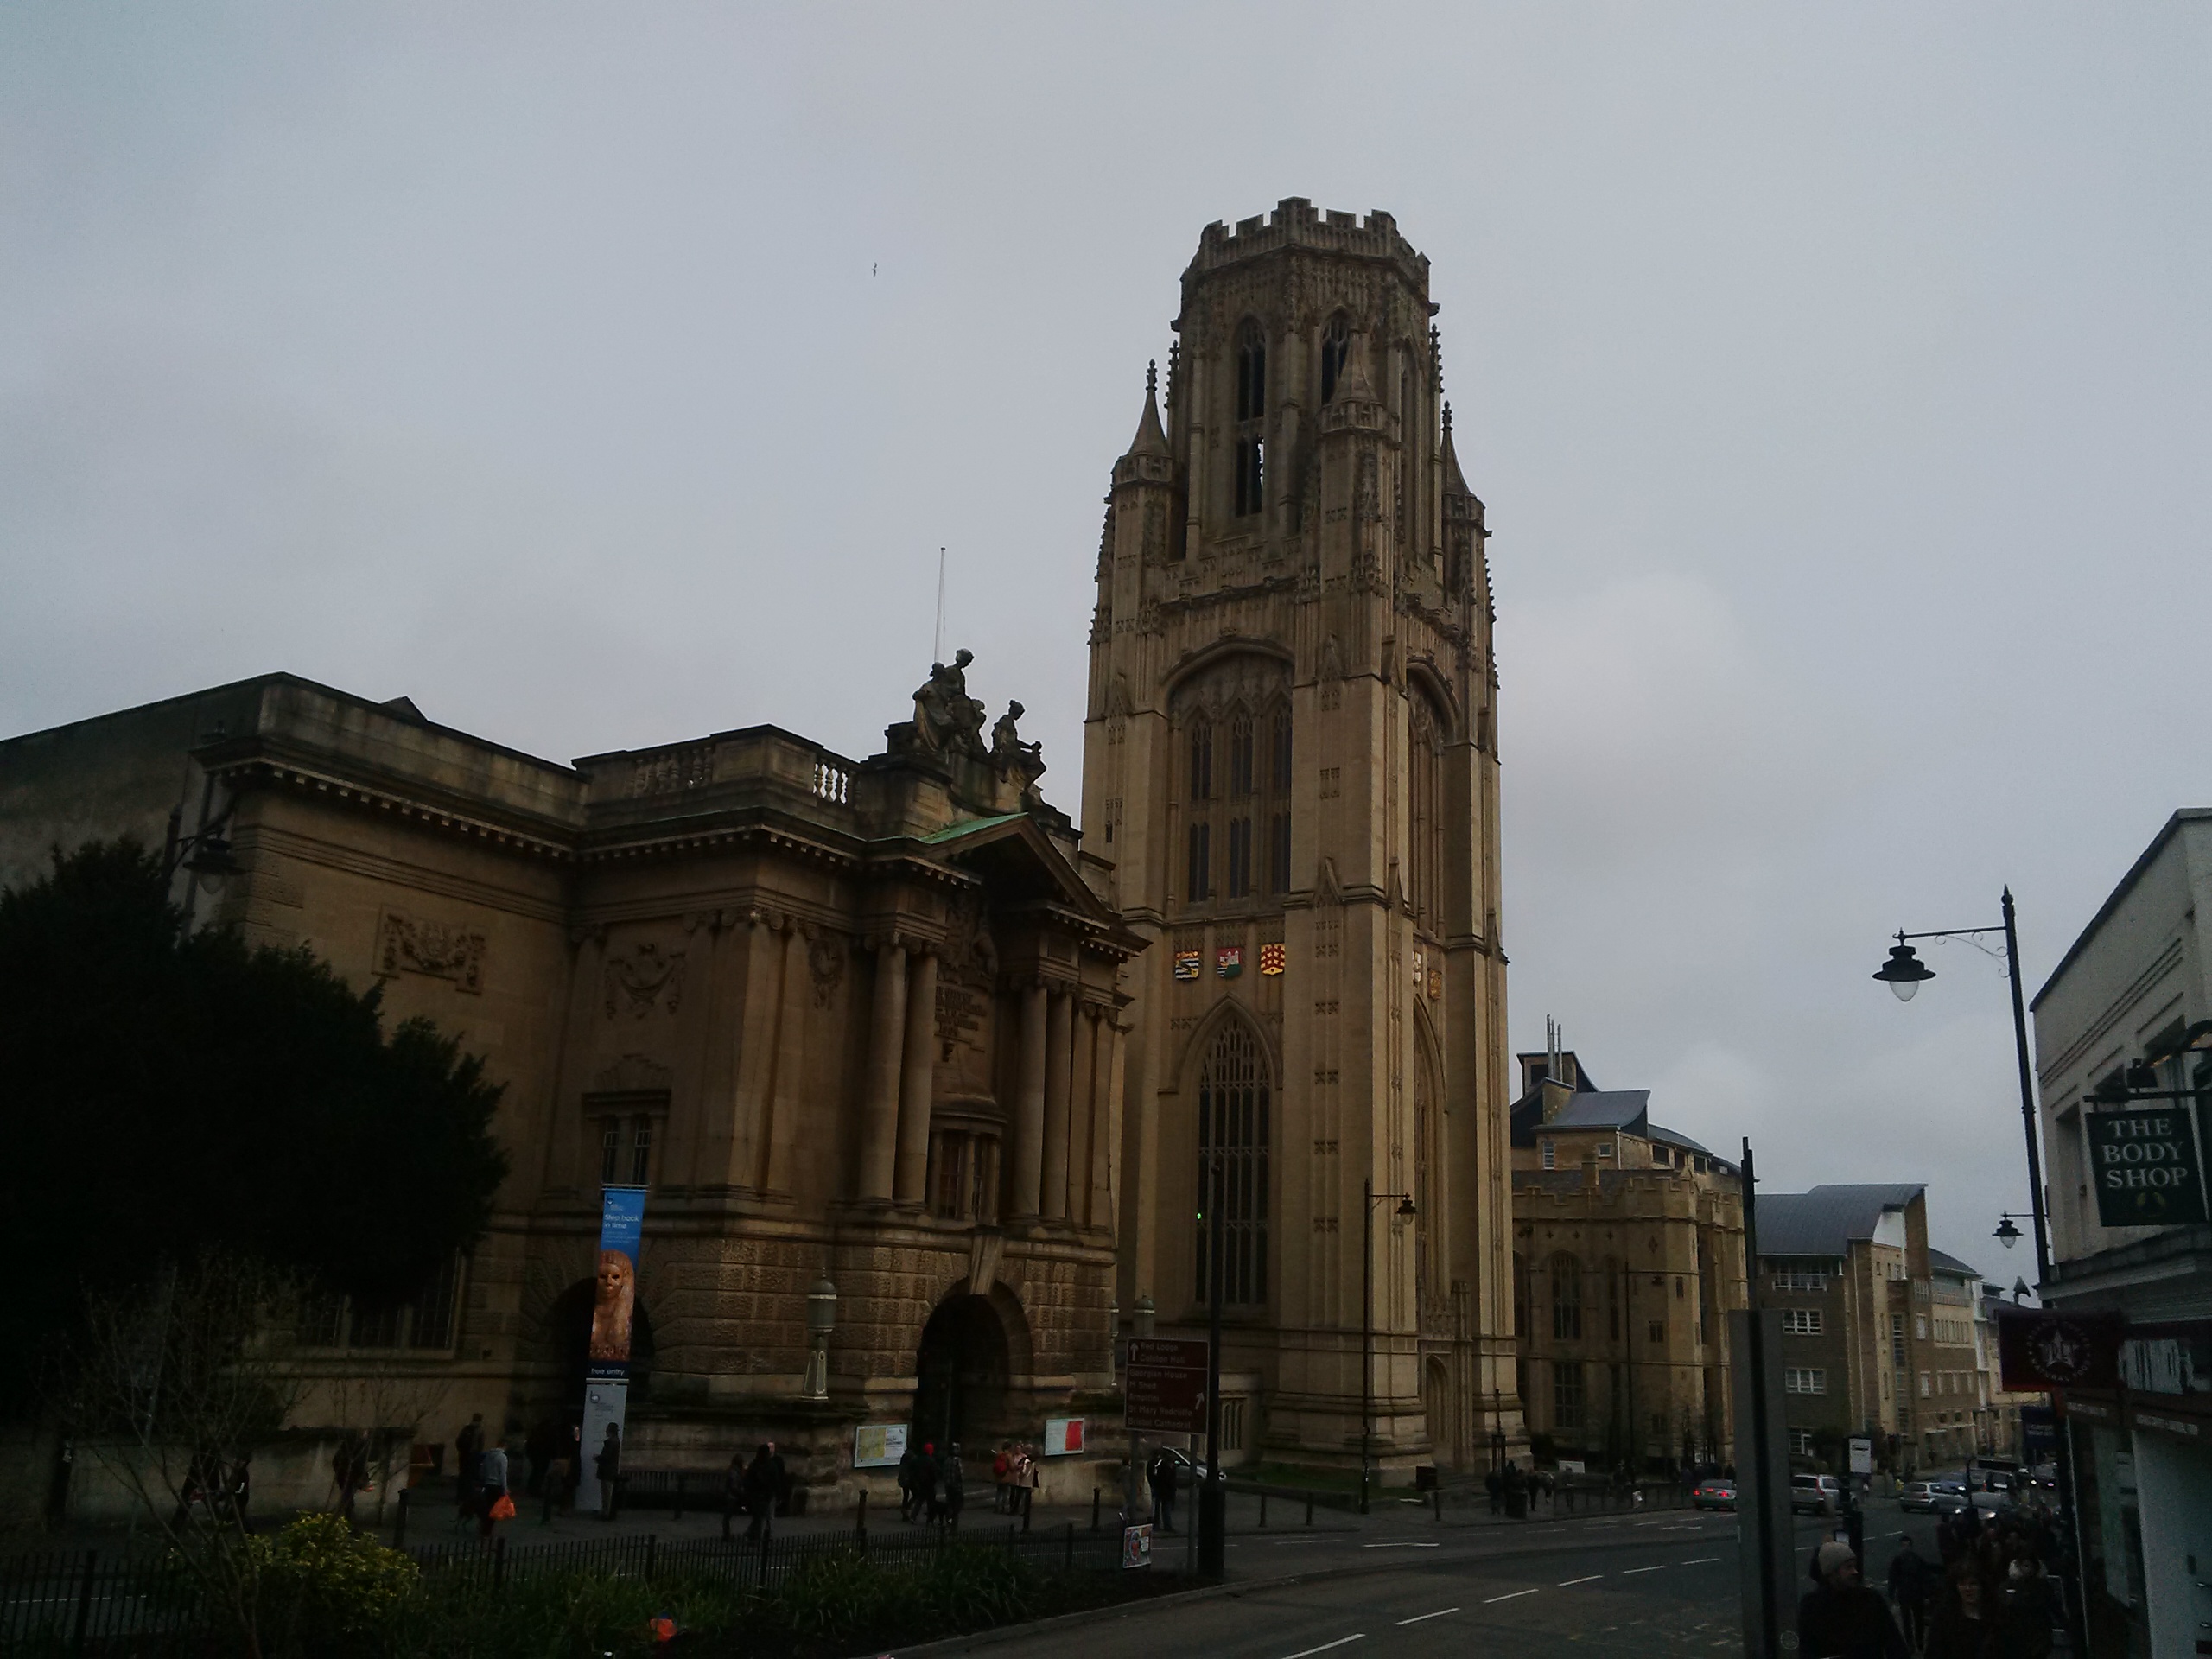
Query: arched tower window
[[1279, 806], [1424, 766], [1233, 1141], [1240, 804], [1566, 1299], [1237, 714], [1251, 415], [1198, 863], [1335, 346]]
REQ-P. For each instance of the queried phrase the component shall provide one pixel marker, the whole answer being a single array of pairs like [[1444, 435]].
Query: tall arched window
[[1233, 1138], [1251, 417], [1425, 767], [1279, 782], [1241, 883], [1335, 346], [1198, 869], [1237, 714], [1566, 1299]]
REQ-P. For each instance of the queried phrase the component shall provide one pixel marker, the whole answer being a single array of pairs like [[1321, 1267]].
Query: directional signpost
[[1163, 1392]]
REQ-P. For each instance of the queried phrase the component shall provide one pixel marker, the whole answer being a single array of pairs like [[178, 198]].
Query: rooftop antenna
[[938, 655]]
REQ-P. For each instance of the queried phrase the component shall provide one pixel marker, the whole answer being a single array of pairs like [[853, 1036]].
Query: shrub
[[325, 1587]]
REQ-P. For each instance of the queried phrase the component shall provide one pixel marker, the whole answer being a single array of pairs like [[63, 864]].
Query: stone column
[[1058, 1057], [756, 1051], [1029, 1105], [886, 1041], [920, 1077], [1100, 1211], [791, 1062]]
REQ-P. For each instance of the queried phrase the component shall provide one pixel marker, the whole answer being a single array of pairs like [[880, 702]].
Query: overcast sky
[[1839, 380]]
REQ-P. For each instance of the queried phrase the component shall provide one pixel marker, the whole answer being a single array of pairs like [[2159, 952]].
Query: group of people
[[217, 1487], [1013, 1478], [755, 1489], [1990, 1596], [932, 1486]]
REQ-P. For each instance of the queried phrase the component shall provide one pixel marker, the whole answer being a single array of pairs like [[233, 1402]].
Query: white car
[[1814, 1494]]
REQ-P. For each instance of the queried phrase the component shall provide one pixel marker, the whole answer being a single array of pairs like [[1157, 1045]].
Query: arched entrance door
[[960, 1374]]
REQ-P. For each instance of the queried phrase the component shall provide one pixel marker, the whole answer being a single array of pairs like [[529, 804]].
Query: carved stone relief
[[646, 979], [408, 944], [825, 960]]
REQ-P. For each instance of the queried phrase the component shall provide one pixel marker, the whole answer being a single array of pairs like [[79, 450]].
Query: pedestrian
[[1494, 1484], [241, 1489], [760, 1494], [1908, 1586], [779, 1481], [1516, 1492], [733, 1491], [606, 1463], [1962, 1627], [1002, 1479], [927, 1481], [1841, 1619], [956, 1487], [560, 1487], [1164, 1476], [909, 1481], [468, 1454], [2025, 1609], [492, 1490]]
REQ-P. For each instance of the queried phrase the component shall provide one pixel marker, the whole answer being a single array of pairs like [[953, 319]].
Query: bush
[[325, 1587]]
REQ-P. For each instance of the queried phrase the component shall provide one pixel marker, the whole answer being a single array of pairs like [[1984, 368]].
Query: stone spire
[[1152, 437], [1455, 481]]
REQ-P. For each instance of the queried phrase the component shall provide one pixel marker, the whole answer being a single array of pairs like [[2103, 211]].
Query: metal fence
[[85, 1602]]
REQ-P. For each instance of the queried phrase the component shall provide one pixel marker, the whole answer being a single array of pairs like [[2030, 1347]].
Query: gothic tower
[[1290, 759]]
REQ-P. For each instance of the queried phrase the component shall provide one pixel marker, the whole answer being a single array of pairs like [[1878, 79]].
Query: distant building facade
[[1627, 1257], [2135, 990]]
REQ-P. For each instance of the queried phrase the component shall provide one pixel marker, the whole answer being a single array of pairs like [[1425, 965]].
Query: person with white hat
[[1840, 1617]]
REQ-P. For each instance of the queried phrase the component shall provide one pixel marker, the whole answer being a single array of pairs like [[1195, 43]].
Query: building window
[[1567, 1394], [1551, 1154], [641, 1150], [1198, 881], [1658, 1330], [432, 1325], [1232, 1425], [1804, 1379], [1920, 1326], [375, 1328], [1801, 1442], [1566, 1299], [1240, 755], [425, 1321], [1201, 760], [1425, 834], [610, 1150], [1604, 1148], [1233, 1134], [1240, 857], [1923, 1385], [1661, 1157], [1335, 344], [1251, 373], [1795, 1279], [1800, 1321]]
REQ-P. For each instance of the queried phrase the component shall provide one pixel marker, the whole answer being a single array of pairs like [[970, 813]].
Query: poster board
[[1136, 1545], [879, 1446], [1062, 1437]]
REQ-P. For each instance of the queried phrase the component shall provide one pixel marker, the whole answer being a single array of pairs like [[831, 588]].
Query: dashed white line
[[1702, 1561], [1510, 1597], [1356, 1636], [1661, 1567], [1593, 1578], [1407, 1545], [1418, 1618]]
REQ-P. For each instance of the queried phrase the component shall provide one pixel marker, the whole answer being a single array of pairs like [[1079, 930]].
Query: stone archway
[[962, 1370]]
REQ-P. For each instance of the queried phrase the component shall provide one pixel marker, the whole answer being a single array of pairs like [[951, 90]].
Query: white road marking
[[1702, 1561], [1285, 1543], [1505, 1598], [1418, 1618], [1401, 1545], [1356, 1636], [1661, 1567], [1565, 1583]]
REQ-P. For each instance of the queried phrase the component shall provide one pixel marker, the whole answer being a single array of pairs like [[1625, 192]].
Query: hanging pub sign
[[2146, 1165], [2038, 1349]]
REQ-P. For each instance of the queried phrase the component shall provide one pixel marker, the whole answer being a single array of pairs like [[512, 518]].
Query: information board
[[879, 1446], [1062, 1437], [1165, 1387]]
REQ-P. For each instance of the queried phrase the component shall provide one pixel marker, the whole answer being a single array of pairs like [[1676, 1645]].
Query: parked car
[[1714, 1494], [1944, 1497], [1814, 1494]]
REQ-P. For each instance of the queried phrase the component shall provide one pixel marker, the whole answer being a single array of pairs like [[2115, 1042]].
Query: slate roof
[[1951, 1264], [1826, 1220], [1588, 1108]]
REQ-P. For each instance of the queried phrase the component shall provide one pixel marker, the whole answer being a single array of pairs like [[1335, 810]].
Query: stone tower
[[1290, 758]]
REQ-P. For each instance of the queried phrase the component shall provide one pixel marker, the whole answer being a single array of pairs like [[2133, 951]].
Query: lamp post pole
[[1904, 974], [1214, 1497], [1367, 1317]]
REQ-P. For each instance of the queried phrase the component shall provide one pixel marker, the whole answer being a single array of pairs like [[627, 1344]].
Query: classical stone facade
[[1627, 1258], [854, 1018], [1290, 762]]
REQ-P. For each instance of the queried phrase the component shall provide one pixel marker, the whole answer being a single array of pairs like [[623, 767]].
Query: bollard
[[399, 1527], [1067, 1554], [1093, 1509], [1437, 1492], [860, 1523], [1263, 1509], [1309, 1506]]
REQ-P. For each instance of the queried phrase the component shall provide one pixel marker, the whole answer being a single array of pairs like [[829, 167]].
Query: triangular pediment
[[1020, 861]]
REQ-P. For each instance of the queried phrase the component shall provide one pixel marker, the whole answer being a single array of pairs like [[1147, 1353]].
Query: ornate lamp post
[[821, 1320]]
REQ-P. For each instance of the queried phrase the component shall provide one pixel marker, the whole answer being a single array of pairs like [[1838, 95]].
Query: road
[[1627, 1585]]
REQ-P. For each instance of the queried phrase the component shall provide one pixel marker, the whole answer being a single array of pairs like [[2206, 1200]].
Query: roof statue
[[1010, 755], [945, 716]]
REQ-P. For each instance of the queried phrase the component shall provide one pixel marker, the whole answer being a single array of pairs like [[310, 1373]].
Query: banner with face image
[[614, 1281]]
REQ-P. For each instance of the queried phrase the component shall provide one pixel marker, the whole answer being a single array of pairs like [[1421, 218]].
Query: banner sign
[[2038, 1350], [879, 1446], [1062, 1437], [2038, 1434], [614, 1302], [2148, 1169], [606, 1405], [1164, 1388]]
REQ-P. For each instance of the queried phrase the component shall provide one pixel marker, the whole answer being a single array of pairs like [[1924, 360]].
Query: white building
[[2133, 989]]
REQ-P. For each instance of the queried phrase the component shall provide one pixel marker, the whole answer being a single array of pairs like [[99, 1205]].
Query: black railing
[[87, 1601]]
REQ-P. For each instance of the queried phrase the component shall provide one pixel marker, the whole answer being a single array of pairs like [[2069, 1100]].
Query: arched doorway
[[1436, 1405], [960, 1373]]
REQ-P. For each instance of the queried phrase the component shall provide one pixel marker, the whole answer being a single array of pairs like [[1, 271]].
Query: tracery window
[[1233, 1143], [1566, 1299], [1239, 716], [1251, 460], [1335, 346], [1424, 766]]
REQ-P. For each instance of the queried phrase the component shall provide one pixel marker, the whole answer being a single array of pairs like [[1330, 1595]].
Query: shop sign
[[2146, 1166], [2038, 1348]]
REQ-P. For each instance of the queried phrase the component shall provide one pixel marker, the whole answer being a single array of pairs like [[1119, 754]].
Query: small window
[[641, 1150], [1251, 373], [1678, 1287], [1804, 1379], [1800, 1321], [1335, 344], [610, 1151], [1923, 1385], [1658, 1333], [1801, 1442], [1604, 1148], [1280, 745], [1551, 1154], [1232, 1425]]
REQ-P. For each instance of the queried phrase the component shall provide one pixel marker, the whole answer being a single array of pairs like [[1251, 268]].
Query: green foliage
[[324, 1587], [162, 1094]]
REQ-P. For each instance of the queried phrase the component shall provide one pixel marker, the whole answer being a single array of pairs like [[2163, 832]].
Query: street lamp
[[1905, 973], [1405, 1212], [821, 1320], [2006, 1234]]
